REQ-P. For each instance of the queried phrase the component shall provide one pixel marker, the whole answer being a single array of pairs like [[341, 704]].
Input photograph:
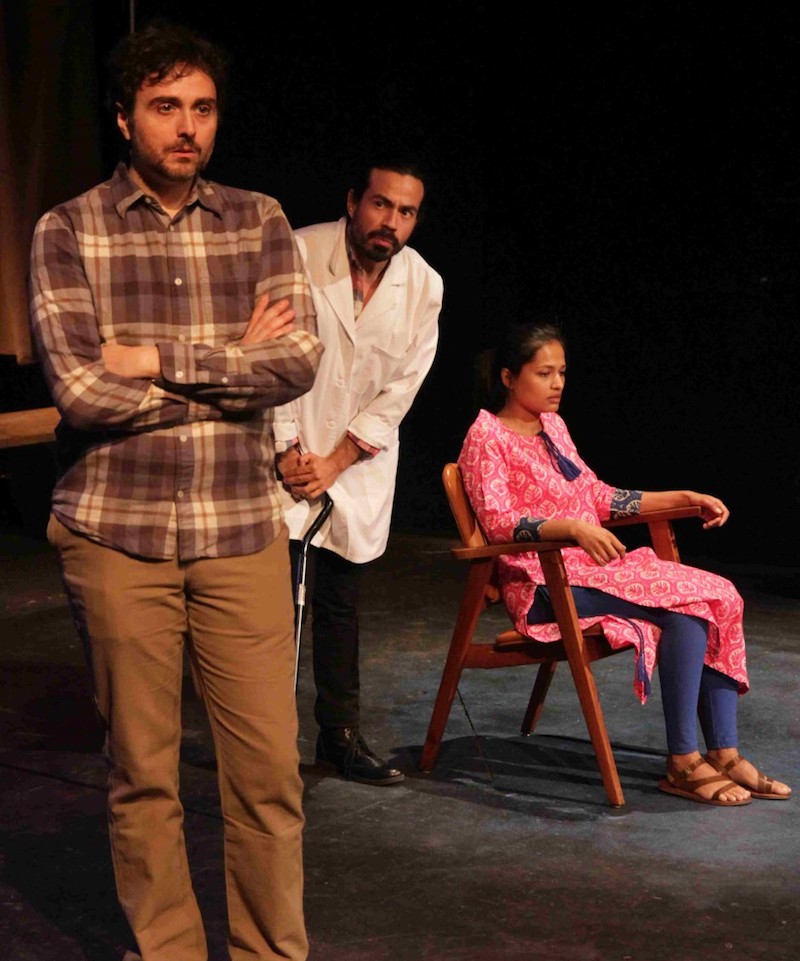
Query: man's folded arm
[[65, 328], [196, 381]]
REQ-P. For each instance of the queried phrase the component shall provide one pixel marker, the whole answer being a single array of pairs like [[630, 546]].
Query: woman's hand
[[600, 544], [714, 512]]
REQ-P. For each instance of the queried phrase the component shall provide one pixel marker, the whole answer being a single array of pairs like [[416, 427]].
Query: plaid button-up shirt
[[182, 464]]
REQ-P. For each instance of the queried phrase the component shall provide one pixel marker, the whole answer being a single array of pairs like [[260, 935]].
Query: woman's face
[[539, 384]]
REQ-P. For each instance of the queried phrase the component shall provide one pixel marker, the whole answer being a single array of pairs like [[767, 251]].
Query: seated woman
[[526, 481]]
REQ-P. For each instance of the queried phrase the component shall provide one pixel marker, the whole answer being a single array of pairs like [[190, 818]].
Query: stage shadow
[[553, 777], [61, 868]]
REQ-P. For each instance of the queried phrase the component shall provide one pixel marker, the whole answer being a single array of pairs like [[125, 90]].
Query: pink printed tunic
[[509, 476]]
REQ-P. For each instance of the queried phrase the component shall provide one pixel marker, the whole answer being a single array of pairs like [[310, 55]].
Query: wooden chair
[[511, 649]]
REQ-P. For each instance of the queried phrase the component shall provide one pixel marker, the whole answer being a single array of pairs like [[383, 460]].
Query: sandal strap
[[683, 774], [680, 778], [728, 766], [726, 786], [765, 784]]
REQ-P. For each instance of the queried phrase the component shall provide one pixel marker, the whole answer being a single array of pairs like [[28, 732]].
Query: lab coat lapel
[[339, 292]]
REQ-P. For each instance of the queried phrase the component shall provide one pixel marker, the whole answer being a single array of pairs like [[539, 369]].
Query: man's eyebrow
[[177, 101], [388, 200]]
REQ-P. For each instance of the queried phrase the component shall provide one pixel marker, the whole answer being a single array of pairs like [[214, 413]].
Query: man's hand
[[309, 475], [267, 323], [288, 461], [142, 362]]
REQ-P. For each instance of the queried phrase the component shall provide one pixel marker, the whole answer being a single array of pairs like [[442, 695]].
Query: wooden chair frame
[[511, 649]]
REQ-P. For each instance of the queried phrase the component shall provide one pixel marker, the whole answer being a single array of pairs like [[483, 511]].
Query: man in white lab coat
[[378, 305]]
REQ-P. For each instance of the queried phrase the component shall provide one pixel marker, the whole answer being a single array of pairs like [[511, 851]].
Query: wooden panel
[[21, 427]]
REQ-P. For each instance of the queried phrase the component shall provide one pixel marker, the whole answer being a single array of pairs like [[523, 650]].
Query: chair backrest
[[467, 524], [464, 515]]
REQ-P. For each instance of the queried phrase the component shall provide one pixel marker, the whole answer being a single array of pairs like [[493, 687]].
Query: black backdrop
[[632, 168]]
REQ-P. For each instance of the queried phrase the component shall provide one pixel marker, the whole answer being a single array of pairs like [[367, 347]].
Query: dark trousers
[[332, 592]]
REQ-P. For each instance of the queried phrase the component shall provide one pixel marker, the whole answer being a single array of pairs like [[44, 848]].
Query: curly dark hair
[[156, 51]]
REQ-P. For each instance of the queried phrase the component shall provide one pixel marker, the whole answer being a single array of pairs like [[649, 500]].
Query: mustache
[[183, 145], [384, 234]]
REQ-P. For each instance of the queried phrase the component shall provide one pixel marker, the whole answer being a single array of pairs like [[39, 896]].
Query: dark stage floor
[[508, 850]]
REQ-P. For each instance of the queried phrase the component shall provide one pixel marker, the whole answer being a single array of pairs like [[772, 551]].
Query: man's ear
[[351, 202], [123, 122]]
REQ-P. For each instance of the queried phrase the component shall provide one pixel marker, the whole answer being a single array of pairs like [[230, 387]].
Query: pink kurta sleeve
[[485, 476]]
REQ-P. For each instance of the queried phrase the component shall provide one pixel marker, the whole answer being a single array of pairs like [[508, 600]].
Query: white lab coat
[[367, 380]]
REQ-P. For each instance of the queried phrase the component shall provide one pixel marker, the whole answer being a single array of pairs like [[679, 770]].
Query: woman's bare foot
[[705, 771], [729, 761]]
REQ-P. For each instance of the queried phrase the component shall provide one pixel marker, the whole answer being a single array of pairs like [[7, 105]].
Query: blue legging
[[688, 687]]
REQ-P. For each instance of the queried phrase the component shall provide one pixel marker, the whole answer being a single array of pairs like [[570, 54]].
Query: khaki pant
[[236, 614]]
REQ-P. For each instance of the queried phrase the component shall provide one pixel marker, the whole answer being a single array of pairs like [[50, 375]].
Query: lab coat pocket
[[377, 364]]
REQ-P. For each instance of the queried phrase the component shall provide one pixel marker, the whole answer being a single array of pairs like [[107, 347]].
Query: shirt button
[[178, 281], [224, 380], [184, 438], [179, 495], [179, 374], [182, 338]]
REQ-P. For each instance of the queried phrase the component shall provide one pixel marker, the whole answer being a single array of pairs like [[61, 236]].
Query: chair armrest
[[541, 547], [517, 547], [652, 517]]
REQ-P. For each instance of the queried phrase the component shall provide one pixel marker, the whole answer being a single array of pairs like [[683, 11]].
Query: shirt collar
[[126, 192]]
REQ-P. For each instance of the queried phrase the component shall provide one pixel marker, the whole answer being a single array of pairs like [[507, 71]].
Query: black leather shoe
[[346, 750]]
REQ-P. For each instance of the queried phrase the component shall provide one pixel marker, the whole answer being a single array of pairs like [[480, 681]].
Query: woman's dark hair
[[155, 52], [518, 347]]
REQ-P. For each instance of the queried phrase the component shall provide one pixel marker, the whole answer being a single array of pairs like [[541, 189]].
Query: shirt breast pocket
[[227, 287]]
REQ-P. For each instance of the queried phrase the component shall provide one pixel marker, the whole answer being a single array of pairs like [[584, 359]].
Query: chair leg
[[471, 606], [580, 666], [540, 688], [593, 715]]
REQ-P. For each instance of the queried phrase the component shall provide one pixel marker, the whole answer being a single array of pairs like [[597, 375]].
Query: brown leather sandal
[[677, 782], [764, 789]]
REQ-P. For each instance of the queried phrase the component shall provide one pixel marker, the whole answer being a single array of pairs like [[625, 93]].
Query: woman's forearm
[[559, 529], [713, 510], [664, 500]]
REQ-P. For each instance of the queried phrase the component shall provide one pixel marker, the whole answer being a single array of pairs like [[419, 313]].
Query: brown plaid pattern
[[183, 463]]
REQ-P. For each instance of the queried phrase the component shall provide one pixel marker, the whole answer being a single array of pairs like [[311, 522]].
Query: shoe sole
[[667, 788], [376, 782]]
